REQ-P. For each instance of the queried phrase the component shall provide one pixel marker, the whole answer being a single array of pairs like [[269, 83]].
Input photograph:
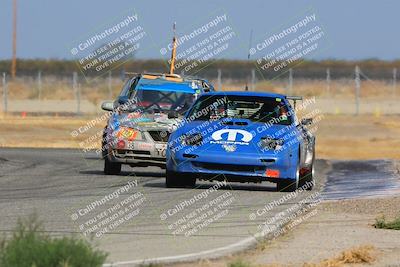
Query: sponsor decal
[[127, 133], [229, 148], [143, 146], [134, 115], [231, 137]]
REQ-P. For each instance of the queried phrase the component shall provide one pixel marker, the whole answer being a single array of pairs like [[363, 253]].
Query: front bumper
[[139, 153], [234, 166]]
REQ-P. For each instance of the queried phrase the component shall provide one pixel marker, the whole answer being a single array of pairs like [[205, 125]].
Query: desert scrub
[[239, 263], [30, 246], [382, 223], [150, 265]]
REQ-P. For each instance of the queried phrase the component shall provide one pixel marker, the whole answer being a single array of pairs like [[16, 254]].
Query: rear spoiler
[[152, 76], [294, 98]]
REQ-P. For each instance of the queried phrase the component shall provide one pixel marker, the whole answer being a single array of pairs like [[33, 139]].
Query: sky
[[353, 29]]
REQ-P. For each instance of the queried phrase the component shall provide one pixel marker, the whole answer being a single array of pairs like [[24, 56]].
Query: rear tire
[[173, 179], [111, 168]]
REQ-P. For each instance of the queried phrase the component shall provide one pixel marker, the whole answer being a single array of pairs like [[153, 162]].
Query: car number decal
[[161, 149]]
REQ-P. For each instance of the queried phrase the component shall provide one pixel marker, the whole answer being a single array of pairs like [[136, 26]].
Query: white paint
[[232, 135]]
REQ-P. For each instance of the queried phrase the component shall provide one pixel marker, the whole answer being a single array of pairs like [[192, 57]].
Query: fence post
[[328, 81], [357, 88], [290, 81], [123, 74], [219, 83], [253, 80], [78, 108], [4, 93], [75, 88], [39, 81], [394, 81]]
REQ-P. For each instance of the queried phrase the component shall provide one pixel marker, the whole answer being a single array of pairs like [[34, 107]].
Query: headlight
[[268, 143], [191, 139], [129, 134]]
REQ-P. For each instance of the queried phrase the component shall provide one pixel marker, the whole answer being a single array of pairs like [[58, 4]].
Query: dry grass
[[383, 223], [366, 254], [61, 89], [48, 132], [361, 254], [338, 137], [360, 137]]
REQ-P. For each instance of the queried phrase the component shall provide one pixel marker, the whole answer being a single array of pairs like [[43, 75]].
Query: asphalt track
[[146, 221]]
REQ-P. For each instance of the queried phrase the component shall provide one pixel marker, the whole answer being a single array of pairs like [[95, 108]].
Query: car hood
[[236, 135], [144, 122]]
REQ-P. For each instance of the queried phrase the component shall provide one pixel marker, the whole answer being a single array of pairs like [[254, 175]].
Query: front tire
[[111, 168], [173, 179], [309, 176], [104, 144], [289, 185]]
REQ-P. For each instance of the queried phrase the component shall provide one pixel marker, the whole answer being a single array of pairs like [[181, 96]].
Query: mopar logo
[[232, 136]]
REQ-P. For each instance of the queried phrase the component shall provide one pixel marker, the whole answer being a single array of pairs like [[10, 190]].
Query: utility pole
[[253, 80], [328, 81], [357, 88], [4, 93], [14, 44], [39, 81], [219, 80]]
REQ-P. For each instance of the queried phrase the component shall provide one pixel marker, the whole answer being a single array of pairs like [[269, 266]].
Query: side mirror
[[173, 115], [306, 121], [107, 105], [123, 99]]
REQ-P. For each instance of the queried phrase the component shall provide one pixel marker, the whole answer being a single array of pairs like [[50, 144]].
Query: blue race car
[[242, 137], [149, 107]]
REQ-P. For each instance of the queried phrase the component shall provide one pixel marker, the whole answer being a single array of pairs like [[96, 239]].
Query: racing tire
[[286, 186], [173, 179], [308, 177], [111, 168], [289, 185], [104, 144]]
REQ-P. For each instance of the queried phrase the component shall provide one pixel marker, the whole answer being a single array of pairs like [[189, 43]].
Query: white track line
[[212, 253]]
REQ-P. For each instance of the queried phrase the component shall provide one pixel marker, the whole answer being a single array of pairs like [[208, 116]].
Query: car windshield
[[256, 109], [152, 101]]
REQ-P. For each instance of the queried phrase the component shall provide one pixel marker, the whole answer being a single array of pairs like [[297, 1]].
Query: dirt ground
[[338, 136], [333, 228]]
